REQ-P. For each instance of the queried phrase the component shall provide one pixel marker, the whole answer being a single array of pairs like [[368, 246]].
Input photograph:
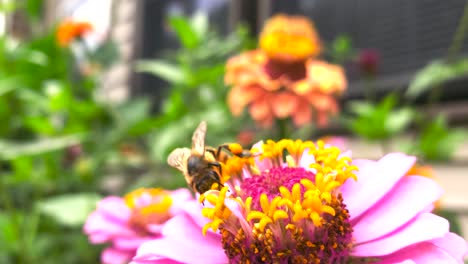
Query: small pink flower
[[369, 61], [126, 223], [314, 205]]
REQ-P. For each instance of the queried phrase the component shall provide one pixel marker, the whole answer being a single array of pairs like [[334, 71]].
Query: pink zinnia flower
[[125, 223], [313, 205]]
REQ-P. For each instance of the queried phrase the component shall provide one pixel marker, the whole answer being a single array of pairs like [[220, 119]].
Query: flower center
[[270, 181], [149, 207], [294, 243], [292, 71], [289, 213]]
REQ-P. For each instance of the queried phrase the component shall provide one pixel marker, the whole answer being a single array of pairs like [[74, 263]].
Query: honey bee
[[200, 171], [201, 164]]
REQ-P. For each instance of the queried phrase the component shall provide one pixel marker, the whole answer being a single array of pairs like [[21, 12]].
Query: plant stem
[[453, 50], [459, 36], [369, 88], [282, 125]]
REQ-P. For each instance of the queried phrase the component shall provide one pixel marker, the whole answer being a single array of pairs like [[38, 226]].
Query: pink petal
[[262, 164], [193, 209], [306, 159], [408, 261], [455, 245], [193, 230], [179, 198], [115, 256], [130, 243], [425, 252], [183, 241], [160, 261], [101, 229], [423, 228], [374, 181], [114, 207], [97, 238], [396, 208], [155, 229]]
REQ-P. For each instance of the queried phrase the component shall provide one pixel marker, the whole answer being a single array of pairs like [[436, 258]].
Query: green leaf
[[39, 124], [398, 120], [378, 121], [199, 22], [438, 142], [69, 209], [8, 6], [34, 8], [132, 112], [9, 232], [362, 108], [165, 70], [185, 32], [341, 48], [106, 54], [8, 84], [432, 75], [11, 150]]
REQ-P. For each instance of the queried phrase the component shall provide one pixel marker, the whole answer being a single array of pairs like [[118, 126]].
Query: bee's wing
[[178, 159], [198, 139]]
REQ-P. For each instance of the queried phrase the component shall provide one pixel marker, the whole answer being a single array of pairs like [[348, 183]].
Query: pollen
[[235, 148]]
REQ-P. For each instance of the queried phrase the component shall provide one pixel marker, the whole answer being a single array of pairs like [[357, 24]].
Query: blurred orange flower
[[69, 30], [289, 38], [273, 89], [282, 79]]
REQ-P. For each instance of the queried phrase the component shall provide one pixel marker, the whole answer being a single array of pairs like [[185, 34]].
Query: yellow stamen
[[219, 213], [280, 214], [149, 200]]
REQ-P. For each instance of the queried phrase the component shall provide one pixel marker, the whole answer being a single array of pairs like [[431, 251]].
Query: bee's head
[[194, 163]]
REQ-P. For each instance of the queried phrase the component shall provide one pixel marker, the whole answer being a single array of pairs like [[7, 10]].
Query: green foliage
[[379, 121], [69, 209], [197, 91], [58, 142], [163, 69], [10, 151], [437, 141], [435, 74], [341, 49]]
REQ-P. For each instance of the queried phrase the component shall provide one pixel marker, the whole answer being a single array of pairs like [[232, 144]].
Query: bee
[[201, 164], [201, 171]]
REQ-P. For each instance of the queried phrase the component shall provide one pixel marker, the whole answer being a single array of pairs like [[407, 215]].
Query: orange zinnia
[[69, 30], [283, 79], [290, 38]]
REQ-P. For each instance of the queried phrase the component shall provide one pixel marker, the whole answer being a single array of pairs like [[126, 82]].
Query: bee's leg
[[213, 152], [235, 149]]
